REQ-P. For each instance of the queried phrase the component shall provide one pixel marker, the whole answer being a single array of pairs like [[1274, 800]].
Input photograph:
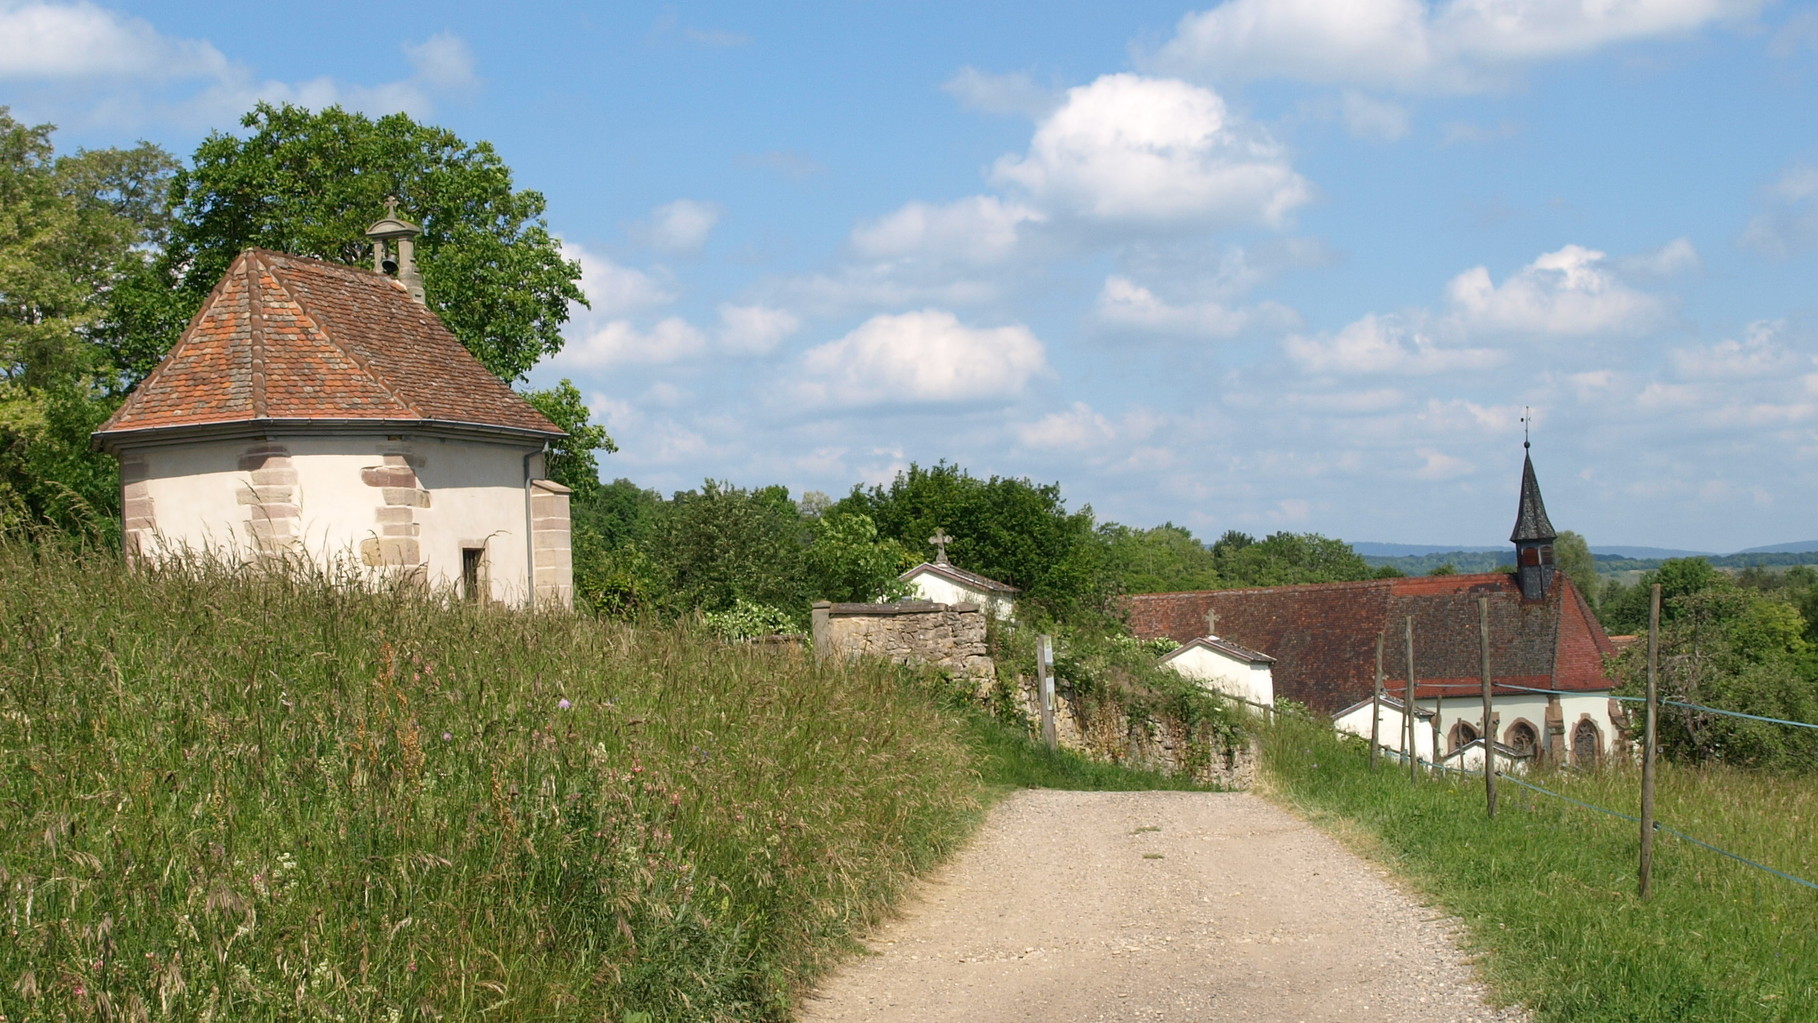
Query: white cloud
[[1455, 45], [1124, 303], [1789, 220], [1384, 344], [614, 290], [978, 229], [1437, 465], [755, 329], [925, 357], [681, 226], [84, 63], [620, 342], [1076, 429], [1759, 354], [81, 40], [1567, 292], [1159, 152], [1670, 260], [1014, 93], [1376, 120]]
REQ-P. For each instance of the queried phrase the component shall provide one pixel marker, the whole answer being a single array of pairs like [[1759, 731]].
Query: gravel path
[[1075, 906]]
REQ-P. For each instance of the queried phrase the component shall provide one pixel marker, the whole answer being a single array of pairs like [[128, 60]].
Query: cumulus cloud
[[82, 62], [1367, 117], [1673, 258], [1124, 303], [681, 226], [924, 357], [1078, 428], [1788, 221], [612, 289], [755, 329], [620, 342], [1129, 149], [1759, 354], [1384, 344], [1568, 292], [979, 229], [1014, 93], [1453, 45], [80, 40]]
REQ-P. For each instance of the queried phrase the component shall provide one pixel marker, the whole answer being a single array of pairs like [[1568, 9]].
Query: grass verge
[[1547, 889], [241, 798]]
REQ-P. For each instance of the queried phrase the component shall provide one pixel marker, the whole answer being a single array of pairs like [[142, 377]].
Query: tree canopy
[[310, 183]]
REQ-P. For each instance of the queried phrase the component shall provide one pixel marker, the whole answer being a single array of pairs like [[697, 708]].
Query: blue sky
[[1264, 264]]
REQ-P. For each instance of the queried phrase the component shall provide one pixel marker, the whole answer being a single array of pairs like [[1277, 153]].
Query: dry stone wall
[[946, 636], [1106, 732]]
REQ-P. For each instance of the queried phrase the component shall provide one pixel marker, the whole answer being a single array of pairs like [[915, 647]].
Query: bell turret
[[1533, 536], [405, 234]]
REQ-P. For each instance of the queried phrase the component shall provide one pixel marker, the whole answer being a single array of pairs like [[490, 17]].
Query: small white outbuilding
[[1220, 664], [322, 412]]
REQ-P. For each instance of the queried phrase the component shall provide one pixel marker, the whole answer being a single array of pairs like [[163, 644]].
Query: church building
[[1551, 694], [323, 412]]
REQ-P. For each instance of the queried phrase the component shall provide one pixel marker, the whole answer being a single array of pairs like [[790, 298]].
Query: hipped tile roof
[[1323, 636], [290, 339]]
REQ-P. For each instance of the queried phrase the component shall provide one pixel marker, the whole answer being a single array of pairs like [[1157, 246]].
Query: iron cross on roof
[[940, 540]]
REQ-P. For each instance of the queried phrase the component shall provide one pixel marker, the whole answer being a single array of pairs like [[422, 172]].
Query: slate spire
[[1533, 535]]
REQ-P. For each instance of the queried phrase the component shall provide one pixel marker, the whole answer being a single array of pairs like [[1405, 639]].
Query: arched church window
[[1462, 735], [1586, 743], [1522, 738]]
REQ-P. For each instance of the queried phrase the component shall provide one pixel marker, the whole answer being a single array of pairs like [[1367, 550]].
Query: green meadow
[[236, 797], [1548, 889]]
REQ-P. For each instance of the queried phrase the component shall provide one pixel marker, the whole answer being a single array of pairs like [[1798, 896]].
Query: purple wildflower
[[563, 703]]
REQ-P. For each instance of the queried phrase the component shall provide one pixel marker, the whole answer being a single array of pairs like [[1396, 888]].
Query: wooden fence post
[[1407, 708], [1376, 708], [1649, 740], [1489, 727], [1044, 671]]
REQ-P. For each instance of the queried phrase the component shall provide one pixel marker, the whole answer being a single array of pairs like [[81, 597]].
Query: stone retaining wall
[[946, 636], [1166, 746]]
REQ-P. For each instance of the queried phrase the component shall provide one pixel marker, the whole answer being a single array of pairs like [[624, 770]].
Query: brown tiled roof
[[1323, 636], [286, 338]]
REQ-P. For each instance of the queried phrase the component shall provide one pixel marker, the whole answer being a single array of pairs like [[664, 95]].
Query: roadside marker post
[[1044, 672]]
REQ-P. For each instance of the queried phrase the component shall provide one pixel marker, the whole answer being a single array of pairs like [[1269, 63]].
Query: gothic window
[[1586, 743], [1523, 739], [1462, 735]]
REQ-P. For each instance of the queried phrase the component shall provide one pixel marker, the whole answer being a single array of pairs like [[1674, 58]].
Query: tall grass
[[232, 797], [1548, 889]]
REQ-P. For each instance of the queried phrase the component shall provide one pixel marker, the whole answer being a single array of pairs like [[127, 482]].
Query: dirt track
[[1074, 906]]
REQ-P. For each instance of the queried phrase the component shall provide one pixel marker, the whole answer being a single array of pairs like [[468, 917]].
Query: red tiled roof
[[287, 338], [1323, 636]]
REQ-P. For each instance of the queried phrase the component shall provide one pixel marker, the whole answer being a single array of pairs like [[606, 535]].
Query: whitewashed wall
[[941, 590], [202, 498], [1226, 674], [1508, 710], [1393, 729]]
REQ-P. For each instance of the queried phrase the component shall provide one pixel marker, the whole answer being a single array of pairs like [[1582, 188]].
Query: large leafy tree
[[1008, 529], [310, 183], [72, 228], [1284, 559]]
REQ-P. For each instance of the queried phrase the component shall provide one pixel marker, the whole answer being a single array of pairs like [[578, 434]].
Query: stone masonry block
[[269, 477], [388, 476], [263, 495], [406, 497], [551, 525], [253, 463], [395, 552], [549, 558], [550, 540], [400, 529], [392, 516]]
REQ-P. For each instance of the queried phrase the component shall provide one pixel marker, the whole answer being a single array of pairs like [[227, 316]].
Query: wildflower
[[447, 736], [563, 703]]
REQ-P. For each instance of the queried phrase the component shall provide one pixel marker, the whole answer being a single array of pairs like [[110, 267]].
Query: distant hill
[[1801, 547], [1404, 550], [1649, 553]]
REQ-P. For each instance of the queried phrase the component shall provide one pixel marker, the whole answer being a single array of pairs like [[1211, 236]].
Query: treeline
[[757, 557], [1745, 641], [106, 254]]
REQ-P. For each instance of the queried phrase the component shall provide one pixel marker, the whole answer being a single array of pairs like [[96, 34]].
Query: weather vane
[[1527, 417]]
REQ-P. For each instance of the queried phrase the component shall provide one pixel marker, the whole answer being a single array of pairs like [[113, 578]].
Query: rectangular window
[[472, 578]]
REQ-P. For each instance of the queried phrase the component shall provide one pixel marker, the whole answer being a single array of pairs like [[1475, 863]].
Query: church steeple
[[1533, 535]]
